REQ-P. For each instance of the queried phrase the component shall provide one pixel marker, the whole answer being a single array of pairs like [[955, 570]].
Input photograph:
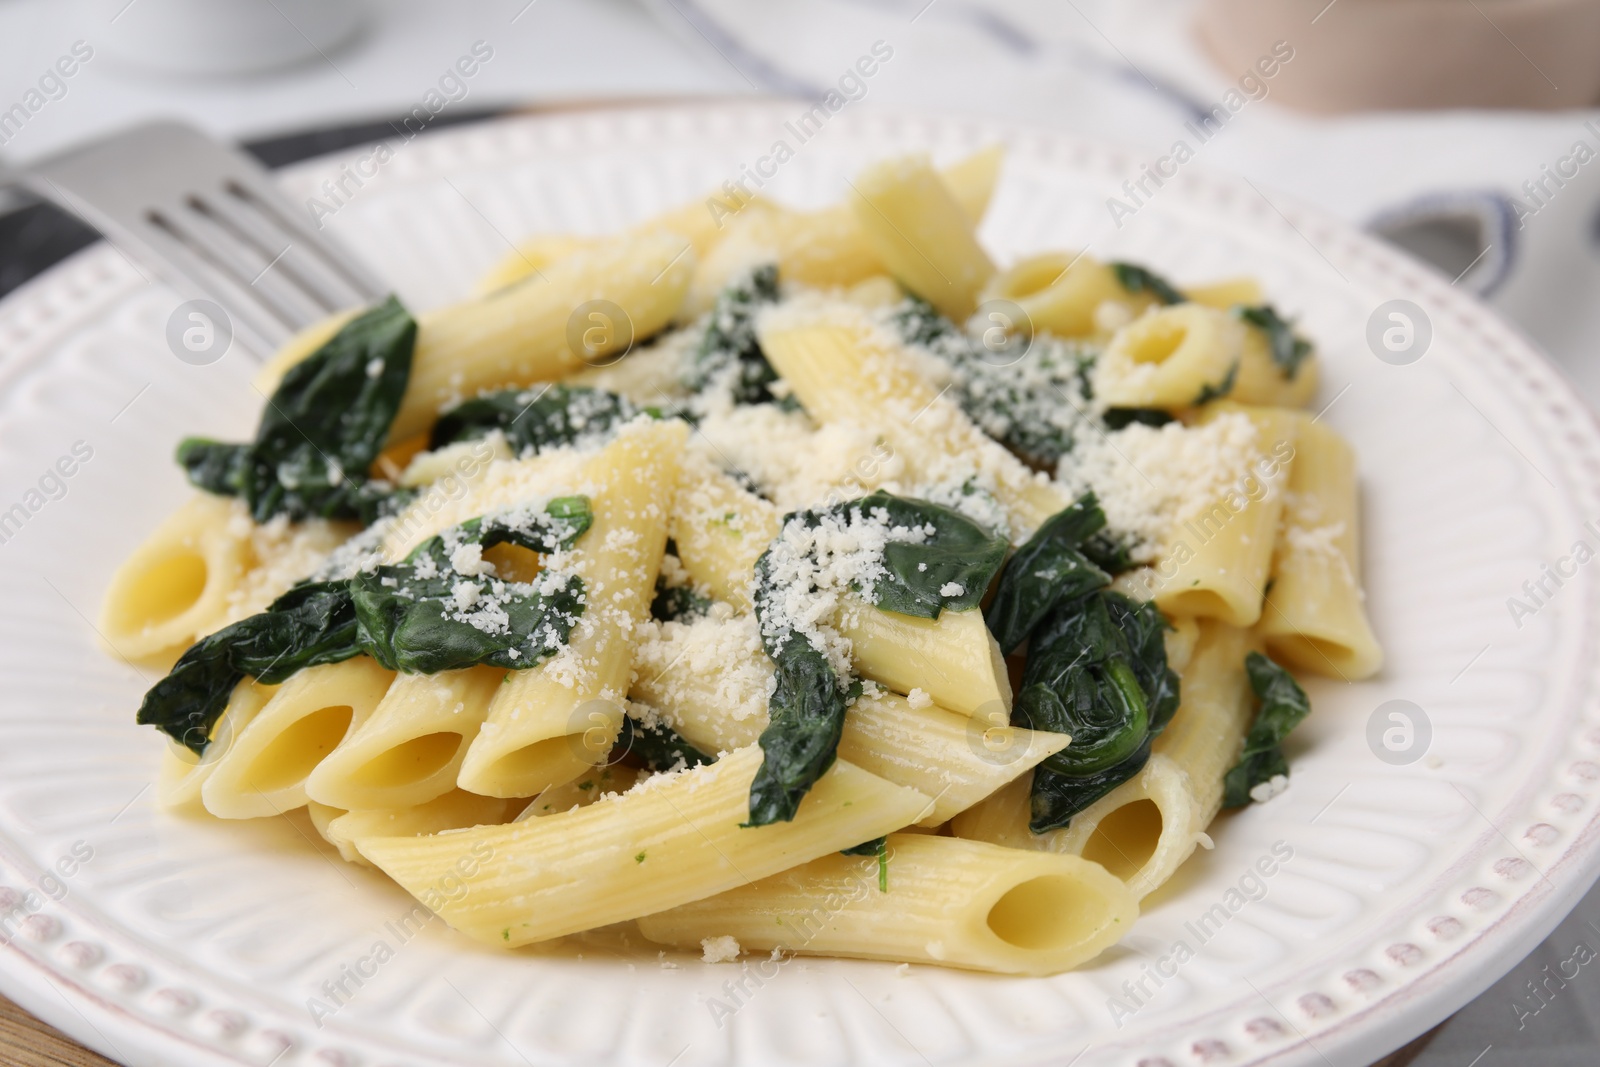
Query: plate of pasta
[[870, 605]]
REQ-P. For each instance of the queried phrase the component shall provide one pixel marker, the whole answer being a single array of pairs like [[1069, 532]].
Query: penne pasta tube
[[825, 248], [1315, 617], [178, 584], [921, 233], [551, 723], [1063, 293], [1171, 357], [583, 309], [448, 811], [1143, 830], [844, 369], [956, 759], [720, 530], [264, 772], [673, 839], [943, 901], [1262, 381], [526, 333], [409, 750], [953, 659], [1218, 561], [972, 180], [182, 773]]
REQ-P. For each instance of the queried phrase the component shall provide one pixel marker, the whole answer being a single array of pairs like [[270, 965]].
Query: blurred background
[[1465, 132]]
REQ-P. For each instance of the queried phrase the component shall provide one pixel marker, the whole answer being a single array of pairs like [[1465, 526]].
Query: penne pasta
[[652, 848], [410, 749], [942, 900], [1315, 617], [264, 772], [1143, 830], [549, 724], [919, 231]]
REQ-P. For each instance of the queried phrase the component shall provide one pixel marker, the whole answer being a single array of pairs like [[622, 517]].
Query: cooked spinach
[[1094, 672], [1289, 350], [730, 340], [425, 615], [808, 702], [1283, 705], [1120, 418], [1049, 569], [958, 554], [805, 721], [322, 428], [677, 602], [1096, 662], [1030, 394], [407, 625], [879, 847], [1209, 392], [1136, 279], [311, 624], [536, 418], [658, 746]]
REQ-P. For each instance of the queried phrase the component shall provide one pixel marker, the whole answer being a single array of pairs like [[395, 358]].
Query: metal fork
[[208, 220]]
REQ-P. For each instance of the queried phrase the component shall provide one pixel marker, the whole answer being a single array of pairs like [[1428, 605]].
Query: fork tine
[[330, 257], [328, 290], [208, 219]]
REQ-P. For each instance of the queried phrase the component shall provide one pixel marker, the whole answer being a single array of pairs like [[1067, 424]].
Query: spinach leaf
[[806, 719], [951, 568], [1136, 279], [1030, 394], [1288, 349], [1047, 570], [1209, 392], [311, 624], [319, 622], [1079, 680], [958, 555], [534, 419], [730, 340], [431, 613], [677, 602], [1096, 665], [1097, 669], [659, 747], [322, 428], [1283, 705], [1056, 797]]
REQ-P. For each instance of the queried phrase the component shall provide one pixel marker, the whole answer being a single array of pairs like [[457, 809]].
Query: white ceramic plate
[[1410, 889]]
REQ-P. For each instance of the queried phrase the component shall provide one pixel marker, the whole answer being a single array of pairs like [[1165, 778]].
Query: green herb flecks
[[322, 428], [1289, 350], [879, 847], [1283, 705]]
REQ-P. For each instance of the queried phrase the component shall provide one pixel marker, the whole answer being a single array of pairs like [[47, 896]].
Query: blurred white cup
[[222, 37]]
